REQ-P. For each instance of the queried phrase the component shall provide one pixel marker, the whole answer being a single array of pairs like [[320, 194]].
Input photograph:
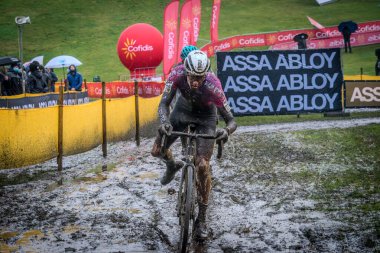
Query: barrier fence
[[30, 136]]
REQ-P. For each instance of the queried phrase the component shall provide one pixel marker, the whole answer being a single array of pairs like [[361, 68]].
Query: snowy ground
[[256, 206]]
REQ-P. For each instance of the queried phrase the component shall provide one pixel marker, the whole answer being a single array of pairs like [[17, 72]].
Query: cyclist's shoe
[[201, 231], [171, 168]]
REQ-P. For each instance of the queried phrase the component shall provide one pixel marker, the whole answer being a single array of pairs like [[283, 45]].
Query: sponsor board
[[125, 89], [362, 94], [45, 100], [281, 82]]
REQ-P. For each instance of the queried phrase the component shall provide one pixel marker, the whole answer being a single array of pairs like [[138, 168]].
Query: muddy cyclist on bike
[[201, 98]]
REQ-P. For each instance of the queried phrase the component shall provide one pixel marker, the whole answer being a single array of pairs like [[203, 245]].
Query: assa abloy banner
[[47, 100], [362, 94], [281, 82]]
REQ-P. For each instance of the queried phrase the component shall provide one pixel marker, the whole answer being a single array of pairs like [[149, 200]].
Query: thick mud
[[261, 200]]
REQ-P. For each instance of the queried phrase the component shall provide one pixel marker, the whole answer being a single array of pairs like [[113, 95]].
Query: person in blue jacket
[[74, 79]]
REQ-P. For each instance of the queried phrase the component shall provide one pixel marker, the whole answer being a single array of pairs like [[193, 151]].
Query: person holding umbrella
[[301, 40], [377, 66], [346, 28], [74, 79]]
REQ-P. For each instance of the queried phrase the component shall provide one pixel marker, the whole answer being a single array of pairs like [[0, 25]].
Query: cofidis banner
[[281, 82]]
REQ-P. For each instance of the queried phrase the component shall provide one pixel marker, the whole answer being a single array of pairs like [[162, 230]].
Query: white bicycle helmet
[[197, 63]]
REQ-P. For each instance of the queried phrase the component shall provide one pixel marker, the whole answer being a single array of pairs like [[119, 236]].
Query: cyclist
[[184, 52], [201, 92]]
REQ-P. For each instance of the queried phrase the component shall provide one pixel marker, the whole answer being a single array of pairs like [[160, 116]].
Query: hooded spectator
[[36, 83], [53, 78], [4, 79], [46, 76], [15, 80], [74, 79], [377, 66]]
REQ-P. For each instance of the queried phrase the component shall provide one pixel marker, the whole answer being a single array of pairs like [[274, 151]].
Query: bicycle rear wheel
[[185, 207]]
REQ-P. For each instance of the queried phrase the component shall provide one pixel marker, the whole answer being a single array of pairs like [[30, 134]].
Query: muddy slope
[[262, 200]]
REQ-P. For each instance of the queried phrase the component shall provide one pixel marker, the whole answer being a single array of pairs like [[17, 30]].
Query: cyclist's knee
[[203, 166]]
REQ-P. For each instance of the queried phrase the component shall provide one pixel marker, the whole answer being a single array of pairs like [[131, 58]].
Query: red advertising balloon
[[140, 46]]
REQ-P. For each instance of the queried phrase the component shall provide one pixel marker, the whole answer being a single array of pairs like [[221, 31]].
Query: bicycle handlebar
[[204, 136], [193, 135]]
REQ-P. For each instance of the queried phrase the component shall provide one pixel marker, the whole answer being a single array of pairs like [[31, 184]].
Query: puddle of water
[[5, 248], [71, 229], [148, 175], [134, 210], [8, 235], [25, 239], [83, 189], [97, 179]]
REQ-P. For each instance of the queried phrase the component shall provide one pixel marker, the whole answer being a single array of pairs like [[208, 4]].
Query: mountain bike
[[187, 194]]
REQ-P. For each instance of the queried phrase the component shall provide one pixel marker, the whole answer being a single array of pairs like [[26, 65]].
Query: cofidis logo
[[131, 48]]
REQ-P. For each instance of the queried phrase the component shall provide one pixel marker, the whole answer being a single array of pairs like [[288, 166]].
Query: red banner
[[196, 10], [125, 89], [286, 36], [330, 32], [357, 39], [241, 41], [214, 23], [170, 35], [185, 28]]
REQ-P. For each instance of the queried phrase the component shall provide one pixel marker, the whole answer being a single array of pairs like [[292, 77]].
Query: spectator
[[377, 66], [15, 80], [346, 36], [74, 79], [4, 79], [53, 78], [45, 75], [301, 40], [36, 83]]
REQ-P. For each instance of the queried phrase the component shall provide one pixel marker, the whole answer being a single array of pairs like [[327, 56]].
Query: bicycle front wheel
[[185, 204]]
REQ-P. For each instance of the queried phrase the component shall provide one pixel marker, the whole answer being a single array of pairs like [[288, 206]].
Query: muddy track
[[257, 205]]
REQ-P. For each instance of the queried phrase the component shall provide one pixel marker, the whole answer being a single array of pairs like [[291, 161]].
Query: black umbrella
[[352, 26], [300, 37], [301, 40], [8, 60]]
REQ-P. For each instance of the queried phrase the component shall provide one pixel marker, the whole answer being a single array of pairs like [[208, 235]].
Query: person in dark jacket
[[346, 36], [4, 79], [36, 83], [53, 78], [377, 66], [46, 76], [74, 79], [15, 80]]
